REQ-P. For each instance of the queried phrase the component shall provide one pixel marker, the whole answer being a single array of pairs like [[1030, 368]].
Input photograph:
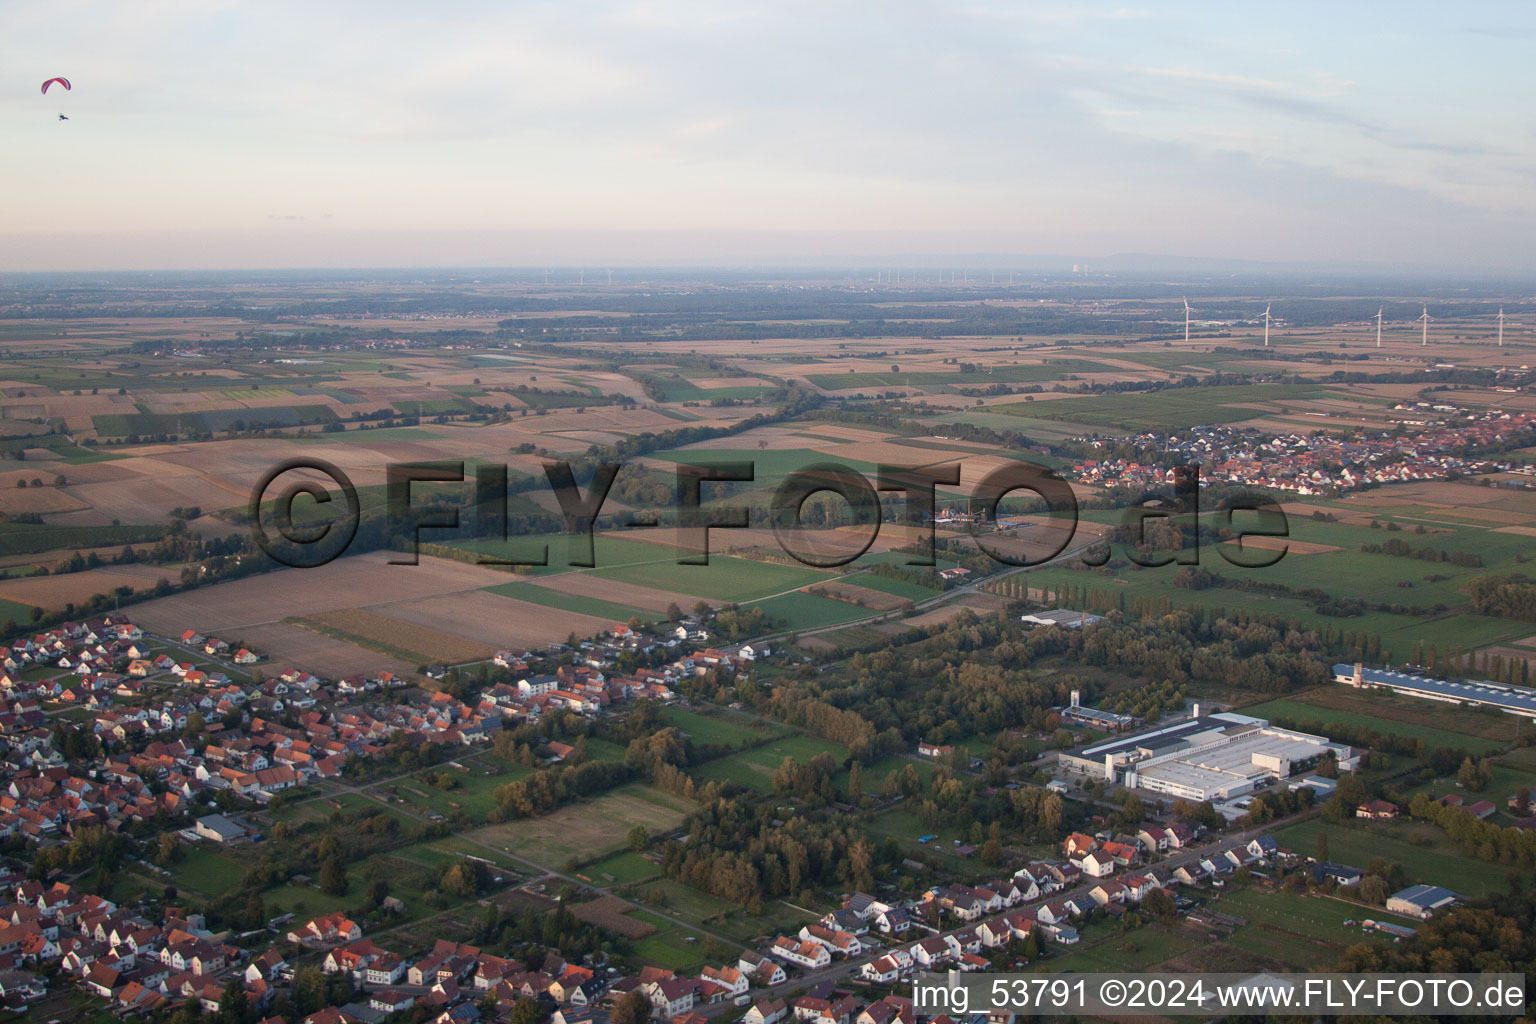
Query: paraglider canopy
[[61, 81]]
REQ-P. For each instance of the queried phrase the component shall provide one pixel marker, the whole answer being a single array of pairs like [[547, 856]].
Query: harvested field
[[395, 637], [864, 597], [817, 644], [607, 912], [1448, 494], [493, 619], [981, 604], [54, 592], [42, 500], [1489, 515], [1286, 544], [225, 608], [315, 652], [1301, 510], [1524, 531], [1511, 653]]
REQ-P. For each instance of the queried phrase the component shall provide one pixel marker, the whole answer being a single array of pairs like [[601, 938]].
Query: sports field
[[587, 829]]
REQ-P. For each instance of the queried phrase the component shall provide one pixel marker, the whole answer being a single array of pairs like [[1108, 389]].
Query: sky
[[380, 133]]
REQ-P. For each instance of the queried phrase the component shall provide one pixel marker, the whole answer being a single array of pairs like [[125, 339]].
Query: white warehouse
[[1217, 757]]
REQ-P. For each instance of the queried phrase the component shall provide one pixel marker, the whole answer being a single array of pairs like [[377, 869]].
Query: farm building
[[1421, 900]]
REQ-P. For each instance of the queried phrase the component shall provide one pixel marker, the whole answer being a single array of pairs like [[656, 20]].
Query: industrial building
[[1515, 700], [1061, 617], [1094, 718], [1213, 757]]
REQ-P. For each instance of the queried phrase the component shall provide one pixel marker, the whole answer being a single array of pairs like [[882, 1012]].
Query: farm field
[[1173, 408], [1010, 373], [396, 638], [900, 588], [806, 611], [483, 617], [861, 596], [550, 597], [224, 609], [725, 578]]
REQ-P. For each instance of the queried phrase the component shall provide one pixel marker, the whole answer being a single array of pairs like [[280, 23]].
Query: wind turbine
[[1501, 327], [1425, 335], [1186, 319], [1380, 311], [1266, 323]]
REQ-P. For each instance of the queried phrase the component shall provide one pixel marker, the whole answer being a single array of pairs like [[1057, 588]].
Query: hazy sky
[[226, 134]]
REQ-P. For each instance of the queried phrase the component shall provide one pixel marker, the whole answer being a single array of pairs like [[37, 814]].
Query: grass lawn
[[876, 771], [720, 727], [685, 904], [1304, 931], [1299, 710], [754, 768], [475, 794], [668, 946], [1107, 949], [209, 870], [320, 808], [621, 869], [305, 901], [605, 750], [1399, 633], [1440, 862]]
